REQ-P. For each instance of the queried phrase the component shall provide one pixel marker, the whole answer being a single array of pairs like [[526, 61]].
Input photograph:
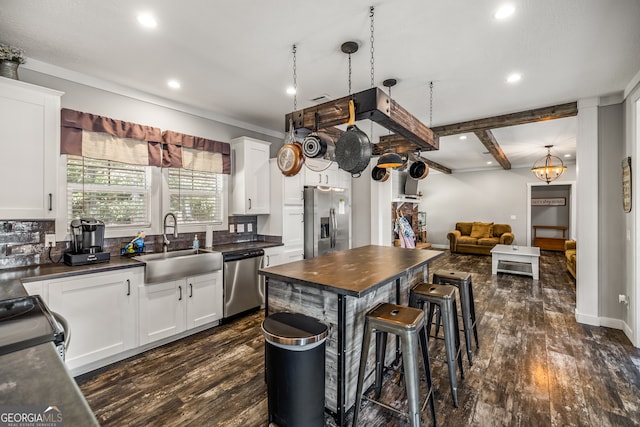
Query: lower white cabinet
[[273, 256], [100, 309], [169, 308]]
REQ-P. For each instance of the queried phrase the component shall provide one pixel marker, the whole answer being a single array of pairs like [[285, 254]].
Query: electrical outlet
[[49, 240], [249, 227], [232, 228], [240, 228]]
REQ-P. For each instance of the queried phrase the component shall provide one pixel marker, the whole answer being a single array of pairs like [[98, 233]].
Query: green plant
[[10, 53]]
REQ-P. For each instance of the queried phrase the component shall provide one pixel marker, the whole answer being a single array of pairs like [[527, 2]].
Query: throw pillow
[[481, 229]]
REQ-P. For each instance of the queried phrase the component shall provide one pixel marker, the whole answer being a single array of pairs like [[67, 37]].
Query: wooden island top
[[353, 272]]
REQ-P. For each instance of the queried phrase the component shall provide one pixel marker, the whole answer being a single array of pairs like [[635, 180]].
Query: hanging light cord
[[295, 81], [371, 13], [430, 103]]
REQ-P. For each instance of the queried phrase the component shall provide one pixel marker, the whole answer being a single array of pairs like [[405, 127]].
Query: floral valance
[[90, 135]]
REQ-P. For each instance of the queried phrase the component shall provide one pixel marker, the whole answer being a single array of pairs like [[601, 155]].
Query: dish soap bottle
[[196, 243]]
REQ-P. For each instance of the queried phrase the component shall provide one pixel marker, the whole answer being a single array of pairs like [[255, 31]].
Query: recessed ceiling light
[[463, 136], [489, 162], [173, 84], [291, 90], [504, 11], [514, 78], [147, 20], [567, 155]]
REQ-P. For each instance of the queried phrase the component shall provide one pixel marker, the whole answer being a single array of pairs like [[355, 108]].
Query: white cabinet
[[273, 256], [319, 172], [250, 176], [30, 132], [100, 309], [293, 254], [292, 189], [204, 299], [169, 308], [293, 226]]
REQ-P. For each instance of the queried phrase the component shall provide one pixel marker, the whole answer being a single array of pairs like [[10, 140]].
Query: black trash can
[[294, 367]]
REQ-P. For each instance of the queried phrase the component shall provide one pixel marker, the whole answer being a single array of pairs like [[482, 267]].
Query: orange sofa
[[478, 237]]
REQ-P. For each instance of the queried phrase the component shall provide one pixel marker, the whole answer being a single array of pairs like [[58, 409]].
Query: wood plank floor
[[536, 367]]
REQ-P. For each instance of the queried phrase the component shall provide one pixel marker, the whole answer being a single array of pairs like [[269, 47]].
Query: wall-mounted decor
[[626, 184], [549, 201]]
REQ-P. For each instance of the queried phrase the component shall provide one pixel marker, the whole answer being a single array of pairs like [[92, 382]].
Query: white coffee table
[[515, 260]]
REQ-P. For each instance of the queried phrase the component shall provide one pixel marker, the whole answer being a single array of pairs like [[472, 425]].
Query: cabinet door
[[37, 288], [204, 299], [162, 310], [30, 125], [100, 310], [293, 226], [293, 190], [273, 256], [250, 186], [292, 254]]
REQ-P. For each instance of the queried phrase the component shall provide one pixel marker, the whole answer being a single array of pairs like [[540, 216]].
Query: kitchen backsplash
[[22, 242]]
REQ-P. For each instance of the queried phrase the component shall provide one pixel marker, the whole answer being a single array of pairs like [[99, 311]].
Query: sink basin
[[165, 266]]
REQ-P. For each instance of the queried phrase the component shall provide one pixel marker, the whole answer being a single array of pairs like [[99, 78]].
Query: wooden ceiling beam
[[403, 147], [489, 141], [372, 104], [436, 166], [531, 116]]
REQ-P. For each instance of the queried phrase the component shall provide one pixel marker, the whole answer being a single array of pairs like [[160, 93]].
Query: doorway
[[550, 215]]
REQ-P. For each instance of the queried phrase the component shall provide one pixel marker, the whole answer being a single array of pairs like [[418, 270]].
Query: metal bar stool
[[443, 298], [462, 281], [410, 327]]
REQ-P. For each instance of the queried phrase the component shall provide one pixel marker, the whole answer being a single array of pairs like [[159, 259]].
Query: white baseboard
[[587, 319], [608, 322]]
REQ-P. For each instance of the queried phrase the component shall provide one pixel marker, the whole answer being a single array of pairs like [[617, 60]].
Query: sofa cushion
[[489, 241], [481, 229], [500, 229], [467, 240], [464, 228]]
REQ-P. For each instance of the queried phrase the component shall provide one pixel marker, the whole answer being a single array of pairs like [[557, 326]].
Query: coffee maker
[[87, 240]]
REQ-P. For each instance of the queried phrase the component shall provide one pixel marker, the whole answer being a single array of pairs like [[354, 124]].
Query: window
[[195, 196], [116, 193]]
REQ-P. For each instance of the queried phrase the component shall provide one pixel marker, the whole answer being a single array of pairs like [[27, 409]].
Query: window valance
[[195, 153], [97, 137]]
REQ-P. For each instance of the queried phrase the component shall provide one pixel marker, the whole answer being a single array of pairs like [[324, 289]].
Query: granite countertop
[[36, 376], [353, 272]]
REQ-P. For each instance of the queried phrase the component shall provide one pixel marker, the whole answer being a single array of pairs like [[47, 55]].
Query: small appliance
[[87, 240]]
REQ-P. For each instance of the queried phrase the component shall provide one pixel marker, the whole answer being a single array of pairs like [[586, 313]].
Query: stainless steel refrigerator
[[326, 221]]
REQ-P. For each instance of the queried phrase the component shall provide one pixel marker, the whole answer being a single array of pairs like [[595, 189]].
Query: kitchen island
[[338, 289]]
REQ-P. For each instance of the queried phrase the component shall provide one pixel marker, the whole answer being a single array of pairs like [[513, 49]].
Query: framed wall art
[[626, 184]]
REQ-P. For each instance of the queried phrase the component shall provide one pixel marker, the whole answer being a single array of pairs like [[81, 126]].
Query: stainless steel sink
[[164, 266]]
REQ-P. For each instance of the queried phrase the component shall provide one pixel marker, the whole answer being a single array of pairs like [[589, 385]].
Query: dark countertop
[[37, 376], [353, 272]]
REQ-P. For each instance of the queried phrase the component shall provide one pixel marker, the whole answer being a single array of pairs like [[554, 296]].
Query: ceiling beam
[[531, 116], [489, 141], [372, 104], [436, 166]]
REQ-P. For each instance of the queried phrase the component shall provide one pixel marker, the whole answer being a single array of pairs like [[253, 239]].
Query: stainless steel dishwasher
[[241, 282]]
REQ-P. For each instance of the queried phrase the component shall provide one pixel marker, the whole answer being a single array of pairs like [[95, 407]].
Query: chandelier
[[548, 168]]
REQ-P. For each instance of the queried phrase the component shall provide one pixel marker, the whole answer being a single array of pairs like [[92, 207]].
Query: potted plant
[[10, 58]]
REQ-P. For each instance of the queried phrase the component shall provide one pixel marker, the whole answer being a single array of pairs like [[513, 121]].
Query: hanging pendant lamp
[[548, 168], [390, 159]]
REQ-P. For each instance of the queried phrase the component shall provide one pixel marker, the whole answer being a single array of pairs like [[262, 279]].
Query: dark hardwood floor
[[536, 367]]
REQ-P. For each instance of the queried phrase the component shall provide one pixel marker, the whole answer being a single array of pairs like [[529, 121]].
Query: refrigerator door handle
[[334, 226]]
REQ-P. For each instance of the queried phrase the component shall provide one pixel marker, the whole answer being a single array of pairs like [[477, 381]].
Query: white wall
[[611, 221], [491, 196]]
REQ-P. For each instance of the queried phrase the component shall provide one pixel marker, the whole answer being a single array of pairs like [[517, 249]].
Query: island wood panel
[[322, 304]]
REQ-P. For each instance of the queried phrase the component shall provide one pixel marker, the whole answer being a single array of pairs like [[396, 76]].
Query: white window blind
[[116, 193], [195, 196]]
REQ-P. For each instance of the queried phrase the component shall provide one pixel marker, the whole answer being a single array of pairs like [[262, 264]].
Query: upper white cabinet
[[250, 176], [320, 172], [30, 137]]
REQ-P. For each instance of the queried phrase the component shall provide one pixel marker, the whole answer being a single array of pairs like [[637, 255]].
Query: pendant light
[[548, 168], [390, 159]]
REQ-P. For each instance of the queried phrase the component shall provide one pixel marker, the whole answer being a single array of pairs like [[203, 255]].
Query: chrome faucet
[[165, 241]]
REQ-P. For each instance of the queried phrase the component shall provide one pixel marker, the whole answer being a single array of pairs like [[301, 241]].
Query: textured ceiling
[[234, 58]]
